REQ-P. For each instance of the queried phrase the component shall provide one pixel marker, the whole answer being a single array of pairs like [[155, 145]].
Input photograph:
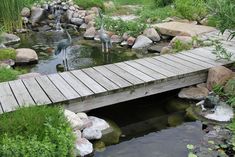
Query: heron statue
[[62, 48], [104, 37]]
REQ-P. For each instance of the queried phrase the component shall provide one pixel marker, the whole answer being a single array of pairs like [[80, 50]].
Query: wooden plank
[[140, 92], [155, 68], [165, 66], [63, 87], [135, 72], [7, 99], [184, 62], [99, 78], [193, 60], [113, 77], [204, 59], [146, 70], [89, 82], [77, 85], [49, 88], [124, 74], [183, 68], [36, 91], [21, 93]]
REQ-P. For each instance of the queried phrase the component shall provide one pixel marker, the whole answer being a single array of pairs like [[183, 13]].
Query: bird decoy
[[104, 37], [62, 48]]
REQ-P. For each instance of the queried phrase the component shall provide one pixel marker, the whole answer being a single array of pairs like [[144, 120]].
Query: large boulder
[[98, 124], [26, 56], [152, 34], [83, 147], [91, 134], [90, 33], [218, 76], [194, 93], [9, 39], [182, 29], [75, 121], [142, 42], [25, 12], [36, 15]]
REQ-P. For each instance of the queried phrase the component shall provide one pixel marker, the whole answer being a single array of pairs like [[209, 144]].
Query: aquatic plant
[[10, 13]]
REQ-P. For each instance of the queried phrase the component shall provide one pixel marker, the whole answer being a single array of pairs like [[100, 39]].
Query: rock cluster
[[86, 128]]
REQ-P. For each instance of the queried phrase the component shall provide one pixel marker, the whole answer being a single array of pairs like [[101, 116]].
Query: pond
[[155, 126], [82, 53]]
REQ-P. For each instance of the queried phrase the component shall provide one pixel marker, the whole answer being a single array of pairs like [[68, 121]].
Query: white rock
[[91, 134], [223, 113], [98, 124], [84, 147], [82, 115], [141, 42], [74, 120], [152, 34], [78, 134]]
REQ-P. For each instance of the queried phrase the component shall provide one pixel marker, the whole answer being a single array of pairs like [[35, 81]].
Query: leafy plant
[[35, 132], [218, 90], [180, 46], [221, 52], [8, 74], [191, 9], [120, 27], [162, 3], [224, 15], [90, 3], [7, 54]]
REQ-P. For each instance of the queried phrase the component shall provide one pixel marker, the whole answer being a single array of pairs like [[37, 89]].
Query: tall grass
[[10, 13]]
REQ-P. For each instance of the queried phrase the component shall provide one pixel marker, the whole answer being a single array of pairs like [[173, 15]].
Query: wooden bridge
[[95, 87]]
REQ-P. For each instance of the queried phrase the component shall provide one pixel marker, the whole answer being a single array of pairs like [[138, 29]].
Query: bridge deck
[[91, 88]]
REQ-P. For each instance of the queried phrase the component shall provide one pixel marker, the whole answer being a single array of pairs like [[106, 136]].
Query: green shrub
[[162, 3], [119, 26], [90, 3], [191, 9], [35, 132], [179, 46], [224, 14], [8, 74], [7, 54]]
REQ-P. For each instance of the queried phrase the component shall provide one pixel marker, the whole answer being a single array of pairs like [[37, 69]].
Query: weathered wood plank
[[113, 77], [165, 66], [99, 78], [183, 68], [184, 62], [63, 87], [77, 85], [49, 88], [155, 68], [193, 60], [124, 74], [7, 98], [89, 82], [204, 59], [144, 91], [22, 95], [36, 91], [135, 72], [146, 70]]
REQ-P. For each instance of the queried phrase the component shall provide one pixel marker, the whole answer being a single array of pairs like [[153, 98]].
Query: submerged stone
[[175, 119], [177, 105]]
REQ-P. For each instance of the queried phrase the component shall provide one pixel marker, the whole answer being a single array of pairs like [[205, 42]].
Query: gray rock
[[194, 93], [83, 147], [36, 15], [29, 75], [89, 18], [142, 42], [90, 33], [44, 28], [116, 39], [77, 21], [165, 50], [83, 26], [25, 12], [69, 15], [9, 39], [26, 56], [152, 34], [91, 134]]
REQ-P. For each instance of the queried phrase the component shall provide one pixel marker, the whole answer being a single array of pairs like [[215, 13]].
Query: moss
[[8, 74], [7, 54]]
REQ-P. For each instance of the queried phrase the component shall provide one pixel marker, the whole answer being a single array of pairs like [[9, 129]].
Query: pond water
[[82, 53], [155, 126]]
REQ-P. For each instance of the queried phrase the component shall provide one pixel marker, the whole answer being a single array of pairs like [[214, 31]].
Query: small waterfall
[[57, 13]]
